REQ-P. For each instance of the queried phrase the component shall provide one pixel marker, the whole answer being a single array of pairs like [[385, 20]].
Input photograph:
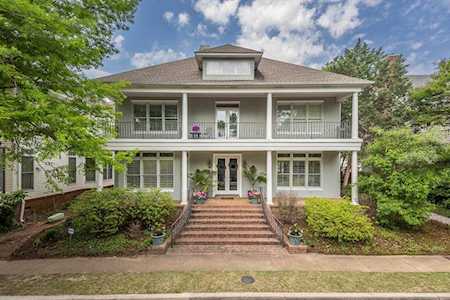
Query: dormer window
[[228, 69]]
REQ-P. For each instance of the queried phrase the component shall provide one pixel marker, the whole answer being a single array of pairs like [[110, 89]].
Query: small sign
[[70, 231]]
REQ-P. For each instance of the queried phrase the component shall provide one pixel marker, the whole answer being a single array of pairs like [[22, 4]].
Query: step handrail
[[274, 223], [182, 220]]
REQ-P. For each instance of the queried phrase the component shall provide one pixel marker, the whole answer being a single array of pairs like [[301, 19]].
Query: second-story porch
[[233, 116]]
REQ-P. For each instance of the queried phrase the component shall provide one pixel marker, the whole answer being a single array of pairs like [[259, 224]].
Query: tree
[[47, 105], [430, 105], [401, 170], [381, 104]]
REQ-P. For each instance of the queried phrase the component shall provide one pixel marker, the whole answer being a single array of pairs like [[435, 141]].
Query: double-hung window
[[107, 172], [72, 168], [299, 170], [156, 117], [89, 169], [27, 172], [297, 118], [151, 170]]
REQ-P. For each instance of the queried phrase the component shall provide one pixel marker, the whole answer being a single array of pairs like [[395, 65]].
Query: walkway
[[440, 219], [170, 262]]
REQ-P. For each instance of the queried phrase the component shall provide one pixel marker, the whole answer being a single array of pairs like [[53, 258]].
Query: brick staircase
[[227, 223]]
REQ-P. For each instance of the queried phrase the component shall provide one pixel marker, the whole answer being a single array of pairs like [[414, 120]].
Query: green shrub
[[8, 205], [338, 219], [109, 211]]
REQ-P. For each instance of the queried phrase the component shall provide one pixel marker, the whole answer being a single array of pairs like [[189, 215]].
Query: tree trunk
[[347, 173]]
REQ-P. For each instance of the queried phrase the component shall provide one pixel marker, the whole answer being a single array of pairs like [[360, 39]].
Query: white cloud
[[340, 18], [118, 43], [416, 45], [183, 19], [157, 56], [217, 11], [95, 73], [283, 29], [168, 15], [372, 3], [202, 30]]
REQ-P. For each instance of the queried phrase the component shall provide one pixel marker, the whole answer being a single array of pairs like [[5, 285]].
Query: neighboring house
[[227, 106], [419, 81]]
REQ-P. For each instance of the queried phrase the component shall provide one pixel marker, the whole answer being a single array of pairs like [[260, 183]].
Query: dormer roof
[[227, 51]]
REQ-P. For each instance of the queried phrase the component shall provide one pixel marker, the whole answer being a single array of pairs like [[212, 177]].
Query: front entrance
[[227, 174]]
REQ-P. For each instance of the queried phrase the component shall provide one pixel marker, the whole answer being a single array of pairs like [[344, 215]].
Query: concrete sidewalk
[[186, 263]]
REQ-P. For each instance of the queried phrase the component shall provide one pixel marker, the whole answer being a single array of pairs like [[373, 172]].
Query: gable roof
[[185, 72], [227, 48]]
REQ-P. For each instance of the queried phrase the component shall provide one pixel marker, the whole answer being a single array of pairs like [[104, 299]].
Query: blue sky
[[307, 32]]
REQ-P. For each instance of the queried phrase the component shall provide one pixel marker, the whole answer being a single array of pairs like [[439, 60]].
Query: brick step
[[226, 234], [272, 250], [216, 206], [229, 227], [227, 241], [227, 210], [227, 215], [240, 221]]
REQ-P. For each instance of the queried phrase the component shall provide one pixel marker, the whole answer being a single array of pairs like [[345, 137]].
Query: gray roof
[[419, 81], [185, 72], [227, 48]]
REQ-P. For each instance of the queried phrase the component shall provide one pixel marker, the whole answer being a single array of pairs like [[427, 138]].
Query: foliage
[[338, 219], [383, 102], [431, 104], [8, 205], [251, 173], [440, 194], [401, 170], [112, 210], [289, 210], [46, 103], [202, 180], [296, 230]]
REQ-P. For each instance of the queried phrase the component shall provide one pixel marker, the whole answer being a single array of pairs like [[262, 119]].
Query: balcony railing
[[312, 130], [224, 130], [149, 130]]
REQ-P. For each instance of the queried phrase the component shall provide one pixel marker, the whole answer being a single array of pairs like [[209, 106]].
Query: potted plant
[[201, 181], [158, 234], [295, 235], [253, 177]]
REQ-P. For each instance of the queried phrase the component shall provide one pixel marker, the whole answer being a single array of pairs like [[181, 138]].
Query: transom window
[[162, 117], [151, 170], [297, 170], [298, 117], [27, 172]]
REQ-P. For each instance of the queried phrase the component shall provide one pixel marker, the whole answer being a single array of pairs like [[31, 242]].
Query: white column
[[269, 177], [184, 177], [184, 117], [355, 115], [355, 177], [99, 179], [269, 117]]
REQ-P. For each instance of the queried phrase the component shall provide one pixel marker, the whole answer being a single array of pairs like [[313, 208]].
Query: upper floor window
[[27, 172], [217, 69], [161, 117], [297, 118]]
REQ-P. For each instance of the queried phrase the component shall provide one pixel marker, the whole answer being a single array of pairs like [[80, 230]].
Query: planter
[[253, 197], [295, 239], [158, 239], [253, 200], [200, 200]]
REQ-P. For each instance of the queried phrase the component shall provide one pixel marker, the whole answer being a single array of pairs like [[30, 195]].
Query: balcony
[[150, 129], [312, 130], [227, 130]]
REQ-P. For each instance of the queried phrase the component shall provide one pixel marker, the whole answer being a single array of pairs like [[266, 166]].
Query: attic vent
[[203, 47]]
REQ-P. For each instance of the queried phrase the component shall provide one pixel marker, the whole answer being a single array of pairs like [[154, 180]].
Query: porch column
[[269, 117], [99, 179], [355, 115], [269, 177], [355, 177], [184, 177], [184, 117]]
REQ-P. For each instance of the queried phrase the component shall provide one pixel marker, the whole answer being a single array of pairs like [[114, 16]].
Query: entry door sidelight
[[228, 175]]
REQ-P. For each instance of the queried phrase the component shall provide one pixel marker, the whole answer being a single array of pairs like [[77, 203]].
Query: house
[[230, 106]]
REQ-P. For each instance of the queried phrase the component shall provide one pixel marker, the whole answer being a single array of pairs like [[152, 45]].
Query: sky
[[306, 32]]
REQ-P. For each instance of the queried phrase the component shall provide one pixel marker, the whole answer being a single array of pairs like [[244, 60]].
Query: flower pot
[[253, 200], [295, 239], [200, 200], [158, 239]]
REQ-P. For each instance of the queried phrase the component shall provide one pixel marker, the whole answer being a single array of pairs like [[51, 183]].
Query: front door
[[228, 175]]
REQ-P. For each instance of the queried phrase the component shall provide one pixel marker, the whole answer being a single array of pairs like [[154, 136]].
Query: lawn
[[178, 282]]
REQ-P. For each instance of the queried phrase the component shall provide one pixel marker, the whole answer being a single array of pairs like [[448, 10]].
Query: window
[[298, 118], [107, 172], [72, 168], [151, 170], [27, 172], [156, 117], [2, 170], [299, 170], [228, 68], [89, 169]]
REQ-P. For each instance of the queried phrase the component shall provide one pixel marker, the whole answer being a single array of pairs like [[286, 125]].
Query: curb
[[238, 296]]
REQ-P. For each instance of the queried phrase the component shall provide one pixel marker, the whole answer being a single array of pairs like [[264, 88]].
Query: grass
[[179, 282]]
